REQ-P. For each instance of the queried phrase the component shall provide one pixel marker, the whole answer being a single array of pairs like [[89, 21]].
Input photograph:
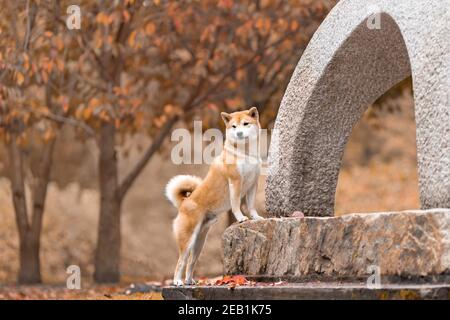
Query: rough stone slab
[[409, 244], [309, 291], [344, 69]]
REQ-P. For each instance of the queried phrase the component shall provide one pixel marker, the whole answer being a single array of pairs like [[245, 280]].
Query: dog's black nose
[[240, 134]]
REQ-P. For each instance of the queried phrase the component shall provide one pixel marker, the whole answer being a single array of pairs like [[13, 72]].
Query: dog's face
[[242, 125]]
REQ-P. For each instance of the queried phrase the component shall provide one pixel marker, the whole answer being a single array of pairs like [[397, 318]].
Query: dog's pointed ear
[[253, 112], [226, 117]]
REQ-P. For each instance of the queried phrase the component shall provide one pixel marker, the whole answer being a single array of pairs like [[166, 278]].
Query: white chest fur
[[249, 172]]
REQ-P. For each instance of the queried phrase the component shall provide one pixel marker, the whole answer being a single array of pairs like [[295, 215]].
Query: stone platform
[[310, 291], [395, 255], [404, 245]]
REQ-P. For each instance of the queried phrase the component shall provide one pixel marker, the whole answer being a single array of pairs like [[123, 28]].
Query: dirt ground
[[91, 292], [379, 173]]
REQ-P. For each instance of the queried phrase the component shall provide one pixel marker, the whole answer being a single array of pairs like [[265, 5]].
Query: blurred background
[[86, 116]]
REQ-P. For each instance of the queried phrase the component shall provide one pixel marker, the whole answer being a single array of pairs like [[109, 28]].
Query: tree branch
[[31, 16], [69, 121]]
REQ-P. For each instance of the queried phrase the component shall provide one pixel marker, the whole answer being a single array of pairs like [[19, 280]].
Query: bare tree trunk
[[107, 256], [30, 270], [29, 235]]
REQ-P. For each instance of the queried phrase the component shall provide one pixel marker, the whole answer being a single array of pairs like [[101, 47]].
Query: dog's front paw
[[255, 216], [178, 282], [242, 219]]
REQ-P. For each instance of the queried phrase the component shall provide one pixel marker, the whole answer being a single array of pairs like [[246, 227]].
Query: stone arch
[[345, 68]]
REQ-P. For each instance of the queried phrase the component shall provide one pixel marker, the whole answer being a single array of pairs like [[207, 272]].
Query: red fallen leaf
[[232, 281], [224, 280], [240, 280], [298, 214]]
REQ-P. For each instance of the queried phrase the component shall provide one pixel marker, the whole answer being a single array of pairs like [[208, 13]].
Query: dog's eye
[[245, 123], [234, 126]]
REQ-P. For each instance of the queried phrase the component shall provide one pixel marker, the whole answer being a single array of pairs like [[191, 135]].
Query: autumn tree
[[32, 74], [104, 103]]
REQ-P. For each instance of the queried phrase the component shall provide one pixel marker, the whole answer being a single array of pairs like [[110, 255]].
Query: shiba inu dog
[[232, 175]]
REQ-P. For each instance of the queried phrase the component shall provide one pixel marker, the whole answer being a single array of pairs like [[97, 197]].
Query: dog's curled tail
[[181, 187]]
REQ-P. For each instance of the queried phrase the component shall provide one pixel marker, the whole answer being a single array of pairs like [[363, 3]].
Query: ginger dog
[[232, 175]]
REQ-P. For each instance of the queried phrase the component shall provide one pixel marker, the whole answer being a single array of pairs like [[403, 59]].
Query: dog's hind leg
[[177, 281], [197, 247], [194, 254], [186, 240]]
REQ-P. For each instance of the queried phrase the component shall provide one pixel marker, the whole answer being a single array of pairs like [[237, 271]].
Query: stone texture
[[344, 69], [408, 244]]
